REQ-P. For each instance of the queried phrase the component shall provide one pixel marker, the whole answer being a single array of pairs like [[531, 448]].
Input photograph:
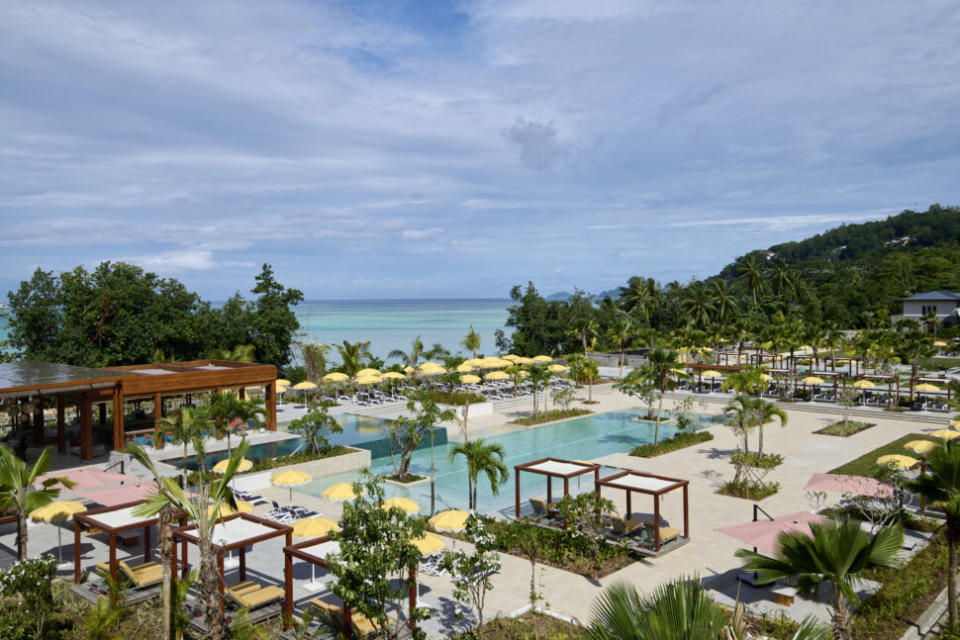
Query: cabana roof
[[643, 482], [558, 468], [236, 531], [115, 519], [314, 551]]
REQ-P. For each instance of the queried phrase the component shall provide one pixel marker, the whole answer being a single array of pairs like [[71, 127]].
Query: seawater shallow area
[[583, 438]]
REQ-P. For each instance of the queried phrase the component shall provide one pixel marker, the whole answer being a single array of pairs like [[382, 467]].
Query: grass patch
[[945, 363], [753, 459], [458, 398], [863, 465], [550, 416], [905, 594], [845, 428], [528, 625], [750, 490], [681, 440]]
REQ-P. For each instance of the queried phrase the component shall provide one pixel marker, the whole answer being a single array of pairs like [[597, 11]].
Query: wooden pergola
[[237, 531], [31, 383], [651, 485], [554, 468], [315, 551], [113, 521]]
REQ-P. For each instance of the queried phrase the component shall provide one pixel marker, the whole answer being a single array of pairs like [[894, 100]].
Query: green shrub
[[458, 398], [845, 428], [550, 416], [754, 459], [679, 441], [27, 609], [750, 490], [265, 464]]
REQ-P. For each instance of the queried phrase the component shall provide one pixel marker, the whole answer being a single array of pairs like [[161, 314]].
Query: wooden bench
[[784, 596]]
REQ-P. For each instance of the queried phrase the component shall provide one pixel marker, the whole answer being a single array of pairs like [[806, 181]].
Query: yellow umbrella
[[221, 467], [945, 434], [60, 510], [523, 374], [344, 491], [863, 384], [314, 527], [496, 363], [469, 379], [926, 387], [921, 446], [498, 375], [812, 380], [542, 359], [939, 343], [464, 368], [521, 360], [304, 386], [430, 365], [336, 376], [408, 369], [679, 372], [406, 504], [556, 368], [511, 357], [227, 510], [428, 543], [291, 479], [368, 372], [474, 362], [898, 461], [710, 373], [451, 520], [766, 377], [369, 380], [393, 375], [283, 381]]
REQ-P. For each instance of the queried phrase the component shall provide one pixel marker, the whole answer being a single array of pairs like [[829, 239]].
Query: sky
[[426, 149]]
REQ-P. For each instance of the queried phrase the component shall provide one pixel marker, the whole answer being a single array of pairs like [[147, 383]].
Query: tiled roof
[[934, 295]]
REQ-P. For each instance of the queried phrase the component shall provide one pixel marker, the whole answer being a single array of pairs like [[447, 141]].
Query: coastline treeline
[[847, 278], [119, 314]]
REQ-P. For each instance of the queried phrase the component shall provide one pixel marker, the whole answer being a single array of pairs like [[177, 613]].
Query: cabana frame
[[532, 467], [620, 481]]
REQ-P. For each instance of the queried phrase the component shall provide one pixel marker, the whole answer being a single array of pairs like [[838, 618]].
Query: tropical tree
[[698, 303], [406, 432], [482, 457], [538, 374], [619, 334], [750, 271], [240, 353], [17, 490], [838, 552], [782, 279], [746, 380], [184, 425], [203, 507], [352, 355], [742, 419], [470, 572], [314, 426], [724, 300], [916, 346], [590, 370], [941, 485], [639, 297], [661, 371], [314, 357], [766, 412], [409, 358], [471, 342]]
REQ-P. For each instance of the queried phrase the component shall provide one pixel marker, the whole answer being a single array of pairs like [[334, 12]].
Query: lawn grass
[[681, 440], [845, 428], [528, 625], [861, 466]]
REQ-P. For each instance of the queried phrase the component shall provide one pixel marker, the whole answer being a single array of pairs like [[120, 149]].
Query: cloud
[[783, 223], [420, 234], [539, 147]]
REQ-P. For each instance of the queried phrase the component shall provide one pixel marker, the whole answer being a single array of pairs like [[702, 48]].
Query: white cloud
[[420, 234]]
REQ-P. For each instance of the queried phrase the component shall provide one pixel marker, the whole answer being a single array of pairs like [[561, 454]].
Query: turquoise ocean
[[393, 324]]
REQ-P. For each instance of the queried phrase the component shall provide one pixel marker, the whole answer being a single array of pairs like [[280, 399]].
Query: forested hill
[[907, 231]]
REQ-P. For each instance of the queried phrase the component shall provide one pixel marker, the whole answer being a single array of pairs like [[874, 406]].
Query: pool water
[[357, 430], [583, 438]]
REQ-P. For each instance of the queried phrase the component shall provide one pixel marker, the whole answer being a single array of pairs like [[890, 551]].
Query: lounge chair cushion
[[253, 598], [625, 526], [359, 621]]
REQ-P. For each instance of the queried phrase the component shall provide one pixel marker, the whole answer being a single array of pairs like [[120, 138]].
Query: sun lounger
[[625, 527], [253, 597], [334, 613], [140, 576], [541, 508]]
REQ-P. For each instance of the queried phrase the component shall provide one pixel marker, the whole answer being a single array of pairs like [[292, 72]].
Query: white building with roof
[[946, 304]]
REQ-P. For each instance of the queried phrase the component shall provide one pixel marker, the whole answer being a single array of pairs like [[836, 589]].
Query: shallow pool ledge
[[356, 459]]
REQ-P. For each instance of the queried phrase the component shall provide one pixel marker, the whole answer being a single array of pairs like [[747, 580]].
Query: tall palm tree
[[17, 490], [482, 458], [750, 271], [184, 425], [766, 412], [941, 484], [723, 299], [699, 304], [619, 334], [240, 353], [837, 552], [471, 341], [590, 369], [409, 358], [352, 355], [203, 507], [782, 279], [639, 297], [741, 418], [538, 374]]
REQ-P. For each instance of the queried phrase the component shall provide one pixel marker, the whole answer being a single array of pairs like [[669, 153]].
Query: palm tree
[[185, 425], [766, 411], [471, 341], [750, 271], [661, 370], [409, 358], [538, 374], [203, 507], [782, 278], [698, 303], [482, 458], [619, 333], [941, 484], [741, 419], [916, 346], [639, 297], [590, 369], [838, 552], [240, 353], [723, 299], [17, 490], [352, 355]]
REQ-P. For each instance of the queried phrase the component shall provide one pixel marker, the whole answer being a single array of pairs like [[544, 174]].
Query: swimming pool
[[357, 430], [583, 438]]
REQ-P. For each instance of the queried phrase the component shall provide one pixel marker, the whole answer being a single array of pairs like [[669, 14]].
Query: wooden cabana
[[237, 531], [554, 468], [315, 552], [112, 521], [651, 485]]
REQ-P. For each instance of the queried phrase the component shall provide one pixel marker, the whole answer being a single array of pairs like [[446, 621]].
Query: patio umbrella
[[408, 370], [762, 534], [314, 527], [291, 479], [812, 380], [939, 343], [858, 485], [450, 520], [898, 461], [926, 387], [369, 380], [496, 363], [336, 376], [863, 384], [522, 360], [469, 379], [221, 467], [344, 491], [710, 373], [227, 510], [304, 386], [944, 434], [282, 381], [523, 374], [427, 544], [88, 478], [409, 506], [512, 357], [921, 446], [465, 368], [120, 494], [393, 375], [542, 359], [60, 510], [368, 372], [557, 368], [498, 375]]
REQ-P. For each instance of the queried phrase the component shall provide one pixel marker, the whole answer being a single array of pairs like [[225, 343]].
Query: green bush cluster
[[750, 490], [550, 416], [458, 398], [679, 441], [27, 607], [756, 460]]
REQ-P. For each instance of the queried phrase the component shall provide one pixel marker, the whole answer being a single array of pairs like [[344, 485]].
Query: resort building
[[946, 304]]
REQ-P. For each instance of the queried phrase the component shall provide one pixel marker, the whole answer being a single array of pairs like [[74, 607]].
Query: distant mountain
[[563, 296]]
